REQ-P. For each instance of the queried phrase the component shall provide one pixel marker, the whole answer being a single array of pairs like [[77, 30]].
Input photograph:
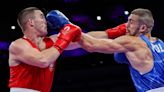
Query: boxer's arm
[[110, 33], [95, 34], [71, 46], [98, 34], [22, 51], [113, 32], [120, 44]]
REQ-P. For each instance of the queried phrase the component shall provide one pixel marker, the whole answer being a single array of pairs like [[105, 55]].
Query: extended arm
[[98, 34], [71, 46], [92, 44], [110, 33]]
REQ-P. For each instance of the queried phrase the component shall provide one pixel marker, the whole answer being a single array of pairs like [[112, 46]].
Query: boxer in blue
[[143, 53]]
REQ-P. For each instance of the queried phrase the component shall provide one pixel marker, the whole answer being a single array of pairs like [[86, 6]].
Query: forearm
[[110, 33], [73, 45], [44, 58], [98, 34], [92, 44], [50, 55], [34, 57], [88, 42], [95, 34]]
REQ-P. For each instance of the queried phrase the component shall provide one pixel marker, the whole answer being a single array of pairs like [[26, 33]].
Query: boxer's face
[[40, 23], [133, 25]]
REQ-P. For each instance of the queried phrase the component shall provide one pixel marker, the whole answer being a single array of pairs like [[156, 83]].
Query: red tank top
[[32, 77]]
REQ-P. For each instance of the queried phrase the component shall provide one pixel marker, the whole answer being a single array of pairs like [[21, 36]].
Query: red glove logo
[[66, 29]]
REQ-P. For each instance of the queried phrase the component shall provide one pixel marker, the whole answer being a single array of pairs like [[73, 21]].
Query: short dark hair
[[145, 16], [24, 15]]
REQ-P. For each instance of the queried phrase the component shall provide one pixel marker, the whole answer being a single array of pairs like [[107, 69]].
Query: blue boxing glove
[[56, 20], [68, 32]]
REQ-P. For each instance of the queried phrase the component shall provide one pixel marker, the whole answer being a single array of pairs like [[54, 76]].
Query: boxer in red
[[31, 65]]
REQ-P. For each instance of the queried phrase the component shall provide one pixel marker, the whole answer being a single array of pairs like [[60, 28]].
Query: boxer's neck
[[33, 38]]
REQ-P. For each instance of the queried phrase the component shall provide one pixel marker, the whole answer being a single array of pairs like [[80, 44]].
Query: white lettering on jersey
[[157, 47]]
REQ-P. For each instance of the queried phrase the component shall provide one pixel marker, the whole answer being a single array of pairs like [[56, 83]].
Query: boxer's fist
[[56, 20], [116, 31], [68, 33]]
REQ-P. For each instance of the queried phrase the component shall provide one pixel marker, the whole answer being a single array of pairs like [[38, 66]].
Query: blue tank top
[[154, 78]]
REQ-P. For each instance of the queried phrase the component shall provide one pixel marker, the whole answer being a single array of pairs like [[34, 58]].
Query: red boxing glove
[[116, 31], [68, 33], [48, 42]]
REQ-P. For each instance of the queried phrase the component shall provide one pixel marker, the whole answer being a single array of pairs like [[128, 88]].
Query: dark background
[[82, 71]]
